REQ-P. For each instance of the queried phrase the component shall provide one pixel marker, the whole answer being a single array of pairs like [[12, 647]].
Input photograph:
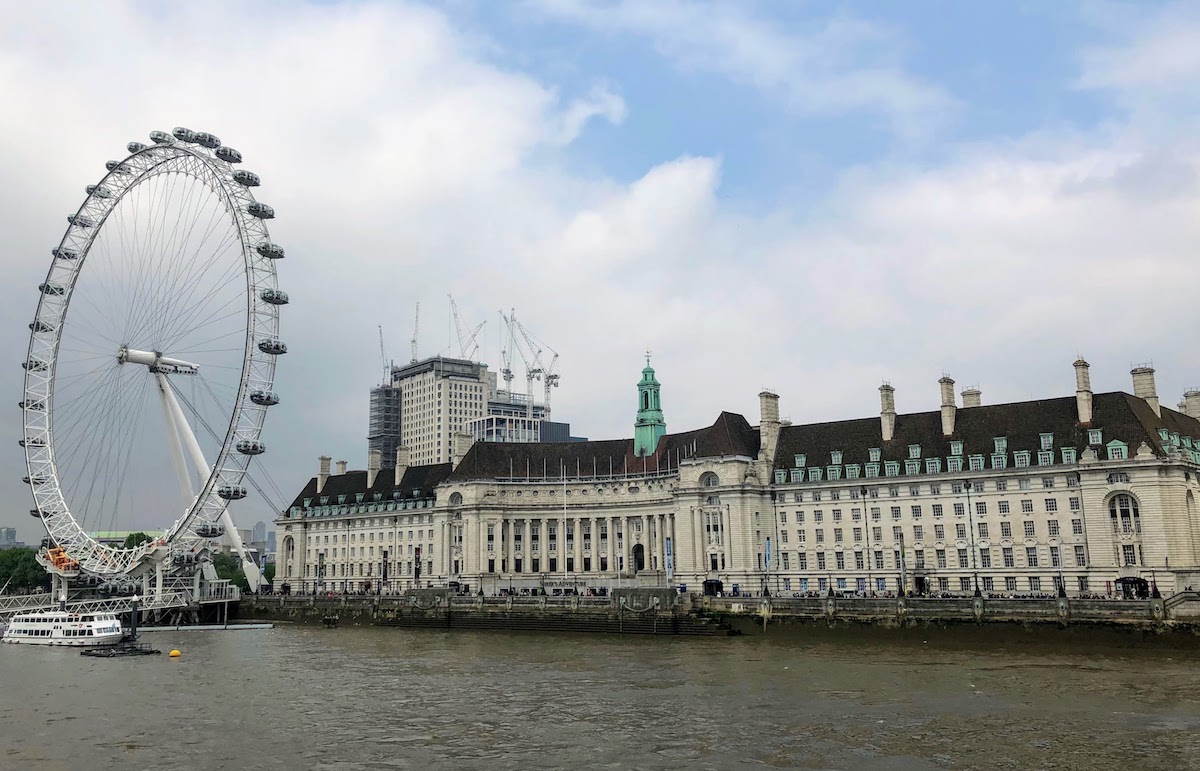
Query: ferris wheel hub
[[156, 361]]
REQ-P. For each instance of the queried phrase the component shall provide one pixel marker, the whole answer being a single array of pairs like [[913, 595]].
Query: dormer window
[[1163, 434], [954, 465], [781, 477], [874, 453], [1095, 436], [872, 470], [912, 467], [835, 457], [914, 451], [324, 500], [1046, 457], [933, 465], [341, 499], [956, 448], [1021, 459], [891, 468], [358, 497], [1175, 439], [801, 458], [1068, 455], [1047, 441], [1117, 450], [797, 475], [852, 471], [999, 460], [814, 474], [835, 472], [307, 502], [976, 462], [1001, 443]]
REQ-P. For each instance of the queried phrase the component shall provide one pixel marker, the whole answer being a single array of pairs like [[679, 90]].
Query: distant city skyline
[[809, 197]]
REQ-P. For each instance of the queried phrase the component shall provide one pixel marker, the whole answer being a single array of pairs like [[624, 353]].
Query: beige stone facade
[[869, 505]]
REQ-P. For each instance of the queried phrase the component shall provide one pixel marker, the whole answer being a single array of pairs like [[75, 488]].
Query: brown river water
[[365, 698]]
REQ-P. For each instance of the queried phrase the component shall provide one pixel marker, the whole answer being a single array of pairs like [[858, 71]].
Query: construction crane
[[387, 370], [467, 347], [416, 330], [507, 343]]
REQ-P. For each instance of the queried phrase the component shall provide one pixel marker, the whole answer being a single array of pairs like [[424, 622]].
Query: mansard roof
[[418, 482], [731, 434], [1119, 415]]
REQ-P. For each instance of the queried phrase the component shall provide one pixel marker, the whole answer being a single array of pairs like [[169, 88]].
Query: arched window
[[1123, 511], [645, 400], [709, 479], [455, 499]]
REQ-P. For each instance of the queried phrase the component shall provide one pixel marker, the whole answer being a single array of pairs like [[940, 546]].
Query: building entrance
[[639, 558]]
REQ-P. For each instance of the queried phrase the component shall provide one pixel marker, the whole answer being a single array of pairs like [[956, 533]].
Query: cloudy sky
[[811, 197]]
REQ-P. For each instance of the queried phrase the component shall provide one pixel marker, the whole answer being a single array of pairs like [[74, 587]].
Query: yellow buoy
[[175, 654]]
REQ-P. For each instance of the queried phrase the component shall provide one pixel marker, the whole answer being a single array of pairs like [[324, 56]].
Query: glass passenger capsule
[[35, 405], [207, 530], [64, 254], [81, 220], [231, 492], [228, 154], [34, 365], [250, 447], [183, 134], [100, 191], [261, 210], [246, 178], [51, 289], [272, 347], [205, 139], [136, 147], [40, 326], [117, 167], [264, 398], [270, 250], [274, 296], [161, 137]]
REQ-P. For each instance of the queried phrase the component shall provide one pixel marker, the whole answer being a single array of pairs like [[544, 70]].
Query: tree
[[137, 539], [269, 572], [230, 568], [21, 566]]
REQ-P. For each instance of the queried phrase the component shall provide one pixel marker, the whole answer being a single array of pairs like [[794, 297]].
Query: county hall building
[[1087, 494]]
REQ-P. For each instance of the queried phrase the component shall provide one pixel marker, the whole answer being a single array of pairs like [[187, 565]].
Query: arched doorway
[[639, 558]]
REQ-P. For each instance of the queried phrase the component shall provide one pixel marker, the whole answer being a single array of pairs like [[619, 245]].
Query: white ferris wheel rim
[[228, 468]]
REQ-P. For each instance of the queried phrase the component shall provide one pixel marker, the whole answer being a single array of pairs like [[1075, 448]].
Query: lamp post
[[967, 485], [862, 495]]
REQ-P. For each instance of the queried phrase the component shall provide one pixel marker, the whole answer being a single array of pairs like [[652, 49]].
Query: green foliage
[[137, 539], [230, 567], [269, 572], [24, 570]]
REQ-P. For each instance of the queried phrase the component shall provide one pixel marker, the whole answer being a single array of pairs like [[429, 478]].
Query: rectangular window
[[912, 467], [914, 451], [816, 495], [818, 515], [1006, 530], [1031, 557], [1035, 584], [1055, 557], [1047, 483], [878, 560], [954, 465], [933, 465], [1046, 458], [799, 517], [814, 475], [983, 530], [1080, 557], [858, 561], [1029, 532], [837, 535], [1021, 459], [962, 558], [1083, 583], [988, 584], [939, 532], [1000, 445], [1023, 484], [916, 512], [782, 520], [835, 472], [858, 535], [799, 460], [1047, 441], [1095, 436], [920, 555], [852, 471], [1116, 453], [935, 489], [897, 534], [1001, 485], [937, 510], [835, 457], [960, 510], [872, 470], [1010, 583], [1077, 527], [781, 477], [783, 536], [976, 462], [895, 512], [800, 536], [985, 557], [956, 448], [876, 515], [893, 491], [940, 555], [1003, 507], [1027, 506], [840, 560], [1053, 528], [877, 533], [999, 461], [1068, 454], [918, 533], [837, 515], [981, 508], [873, 454], [1074, 504], [891, 468], [960, 530], [1128, 555], [820, 560], [1008, 557]]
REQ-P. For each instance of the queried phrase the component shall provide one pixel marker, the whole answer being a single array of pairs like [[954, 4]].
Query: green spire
[[650, 425]]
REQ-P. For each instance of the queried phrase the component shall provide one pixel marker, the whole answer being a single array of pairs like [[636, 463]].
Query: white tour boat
[[60, 627]]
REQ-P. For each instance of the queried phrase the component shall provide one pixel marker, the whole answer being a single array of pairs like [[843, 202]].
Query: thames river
[[362, 698]]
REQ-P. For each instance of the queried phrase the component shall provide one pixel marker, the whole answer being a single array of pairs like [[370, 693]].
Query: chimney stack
[[460, 445], [972, 397], [1191, 402], [948, 406], [887, 415], [1143, 386], [341, 468], [374, 460], [402, 458], [768, 426], [1083, 392], [323, 473]]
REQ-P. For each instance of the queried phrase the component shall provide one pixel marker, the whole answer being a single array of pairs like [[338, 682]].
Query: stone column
[[700, 537], [660, 527], [526, 545], [611, 551], [577, 552]]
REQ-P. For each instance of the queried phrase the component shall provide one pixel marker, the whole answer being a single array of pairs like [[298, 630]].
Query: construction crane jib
[[532, 352]]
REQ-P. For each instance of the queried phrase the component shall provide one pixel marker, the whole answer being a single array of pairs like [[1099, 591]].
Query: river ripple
[[363, 698]]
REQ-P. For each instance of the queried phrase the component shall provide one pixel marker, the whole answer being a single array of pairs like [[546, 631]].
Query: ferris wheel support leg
[[249, 567], [185, 483]]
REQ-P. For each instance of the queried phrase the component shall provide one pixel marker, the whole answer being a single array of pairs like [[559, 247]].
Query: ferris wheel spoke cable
[[93, 439], [114, 469], [195, 308]]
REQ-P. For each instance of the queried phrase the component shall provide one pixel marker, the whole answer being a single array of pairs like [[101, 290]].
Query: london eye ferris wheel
[[151, 359]]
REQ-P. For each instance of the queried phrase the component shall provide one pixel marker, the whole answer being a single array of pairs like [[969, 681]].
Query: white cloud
[[843, 65]]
